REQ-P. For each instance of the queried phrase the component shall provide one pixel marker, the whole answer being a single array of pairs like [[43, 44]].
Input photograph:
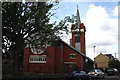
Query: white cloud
[[115, 11], [88, 0], [101, 30]]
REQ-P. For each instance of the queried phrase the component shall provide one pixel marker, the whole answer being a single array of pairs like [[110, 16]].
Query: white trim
[[66, 62], [72, 62], [37, 59], [82, 30], [72, 54]]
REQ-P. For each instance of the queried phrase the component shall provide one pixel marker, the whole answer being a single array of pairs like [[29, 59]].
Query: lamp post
[[115, 55], [94, 51], [94, 56]]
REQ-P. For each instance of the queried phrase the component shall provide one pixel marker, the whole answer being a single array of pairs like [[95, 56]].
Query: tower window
[[77, 38]]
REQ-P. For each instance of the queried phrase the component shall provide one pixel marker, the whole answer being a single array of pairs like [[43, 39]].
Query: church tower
[[78, 40]]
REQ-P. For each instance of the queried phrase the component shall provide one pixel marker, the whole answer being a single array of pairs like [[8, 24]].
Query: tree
[[29, 23], [114, 63], [22, 22]]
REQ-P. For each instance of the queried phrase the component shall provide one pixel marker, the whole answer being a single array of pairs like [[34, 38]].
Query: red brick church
[[61, 58]]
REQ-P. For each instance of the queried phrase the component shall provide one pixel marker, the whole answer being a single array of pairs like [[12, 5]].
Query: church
[[62, 58]]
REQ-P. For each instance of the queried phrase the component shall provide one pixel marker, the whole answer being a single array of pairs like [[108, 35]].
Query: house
[[109, 55], [60, 58], [102, 60]]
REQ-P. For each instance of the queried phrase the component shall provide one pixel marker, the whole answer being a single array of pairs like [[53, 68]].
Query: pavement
[[114, 77]]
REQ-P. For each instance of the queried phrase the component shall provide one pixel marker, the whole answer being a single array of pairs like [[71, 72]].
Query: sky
[[101, 22], [100, 18]]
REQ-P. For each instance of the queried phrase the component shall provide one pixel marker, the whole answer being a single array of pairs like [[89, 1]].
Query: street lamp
[[115, 55], [94, 56], [94, 51]]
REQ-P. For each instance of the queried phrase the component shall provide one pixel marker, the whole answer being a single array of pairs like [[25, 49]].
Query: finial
[[77, 6]]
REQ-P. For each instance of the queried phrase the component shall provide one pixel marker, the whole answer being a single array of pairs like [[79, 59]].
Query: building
[[103, 60], [109, 55], [60, 58]]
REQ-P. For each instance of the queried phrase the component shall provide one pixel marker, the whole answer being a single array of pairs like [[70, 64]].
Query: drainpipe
[[62, 56], [28, 59]]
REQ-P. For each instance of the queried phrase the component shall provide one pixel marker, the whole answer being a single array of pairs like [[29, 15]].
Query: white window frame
[[37, 59], [73, 57]]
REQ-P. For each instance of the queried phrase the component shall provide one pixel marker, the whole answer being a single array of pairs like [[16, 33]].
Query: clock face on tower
[[38, 46]]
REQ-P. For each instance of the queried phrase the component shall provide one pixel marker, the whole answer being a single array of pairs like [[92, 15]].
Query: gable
[[72, 48], [101, 58]]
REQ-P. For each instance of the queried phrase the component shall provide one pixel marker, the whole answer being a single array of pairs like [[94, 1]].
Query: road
[[106, 78], [110, 78]]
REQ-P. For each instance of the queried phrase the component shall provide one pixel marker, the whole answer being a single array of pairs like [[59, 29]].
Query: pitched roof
[[100, 55], [78, 51], [109, 55]]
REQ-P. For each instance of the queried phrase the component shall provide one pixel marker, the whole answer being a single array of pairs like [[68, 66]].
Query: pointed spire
[[78, 17]]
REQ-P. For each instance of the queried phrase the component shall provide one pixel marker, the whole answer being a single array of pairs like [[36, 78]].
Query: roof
[[99, 55], [78, 51], [106, 55], [109, 55]]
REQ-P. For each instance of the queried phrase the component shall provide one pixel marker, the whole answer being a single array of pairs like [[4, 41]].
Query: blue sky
[[101, 21], [69, 8]]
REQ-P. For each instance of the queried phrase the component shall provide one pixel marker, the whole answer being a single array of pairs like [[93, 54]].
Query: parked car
[[96, 73], [112, 71], [77, 75]]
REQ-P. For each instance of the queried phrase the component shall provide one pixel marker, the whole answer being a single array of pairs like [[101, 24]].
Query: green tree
[[21, 20], [29, 23], [75, 67], [114, 63]]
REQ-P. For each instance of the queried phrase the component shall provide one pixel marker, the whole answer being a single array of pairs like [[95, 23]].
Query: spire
[[78, 17]]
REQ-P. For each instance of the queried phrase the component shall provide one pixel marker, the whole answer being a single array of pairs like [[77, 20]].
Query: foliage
[[22, 22], [75, 67], [114, 63], [29, 23]]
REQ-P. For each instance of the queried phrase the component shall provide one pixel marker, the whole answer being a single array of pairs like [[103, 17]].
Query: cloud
[[116, 11], [101, 29], [100, 43], [99, 26]]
